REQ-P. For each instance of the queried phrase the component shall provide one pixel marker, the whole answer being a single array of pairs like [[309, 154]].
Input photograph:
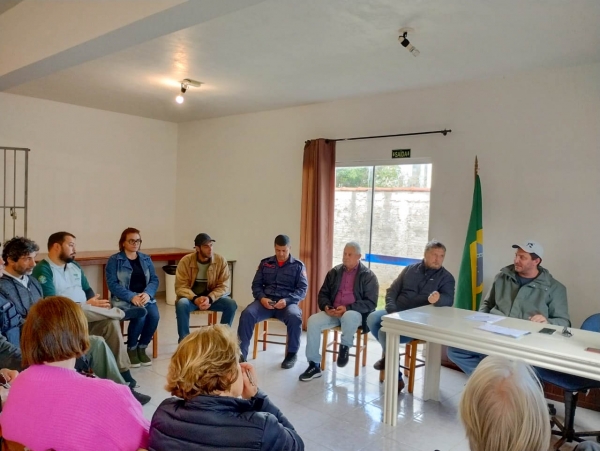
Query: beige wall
[[93, 173], [538, 140]]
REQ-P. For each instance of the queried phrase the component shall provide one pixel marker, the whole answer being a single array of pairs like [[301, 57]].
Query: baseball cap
[[531, 247], [203, 238]]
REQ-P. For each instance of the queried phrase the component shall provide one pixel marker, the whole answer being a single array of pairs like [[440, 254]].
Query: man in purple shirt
[[346, 298]]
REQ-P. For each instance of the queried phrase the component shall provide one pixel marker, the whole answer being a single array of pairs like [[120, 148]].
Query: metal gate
[[15, 173]]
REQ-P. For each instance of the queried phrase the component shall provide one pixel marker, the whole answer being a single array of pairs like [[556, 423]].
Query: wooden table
[[171, 255], [448, 326]]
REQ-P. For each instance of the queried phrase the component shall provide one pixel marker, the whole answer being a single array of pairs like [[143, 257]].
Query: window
[[386, 210]]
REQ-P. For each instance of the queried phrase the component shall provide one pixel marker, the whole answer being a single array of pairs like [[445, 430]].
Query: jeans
[[291, 316], [143, 322], [374, 323], [183, 308], [349, 321], [465, 360]]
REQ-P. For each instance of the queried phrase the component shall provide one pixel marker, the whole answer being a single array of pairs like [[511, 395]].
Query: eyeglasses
[[134, 242], [566, 332]]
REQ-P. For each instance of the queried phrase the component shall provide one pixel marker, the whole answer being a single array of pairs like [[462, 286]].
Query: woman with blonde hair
[[51, 406], [503, 408], [218, 404]]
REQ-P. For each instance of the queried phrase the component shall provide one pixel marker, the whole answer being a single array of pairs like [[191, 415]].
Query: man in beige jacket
[[202, 283]]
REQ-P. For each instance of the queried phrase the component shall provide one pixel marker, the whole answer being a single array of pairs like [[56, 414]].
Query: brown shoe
[[380, 364], [400, 385]]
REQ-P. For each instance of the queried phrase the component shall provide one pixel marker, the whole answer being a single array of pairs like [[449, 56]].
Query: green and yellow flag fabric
[[470, 278]]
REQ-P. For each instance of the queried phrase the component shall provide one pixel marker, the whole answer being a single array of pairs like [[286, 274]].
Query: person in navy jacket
[[217, 404], [279, 284]]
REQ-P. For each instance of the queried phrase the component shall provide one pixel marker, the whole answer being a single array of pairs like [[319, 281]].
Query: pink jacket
[[50, 407]]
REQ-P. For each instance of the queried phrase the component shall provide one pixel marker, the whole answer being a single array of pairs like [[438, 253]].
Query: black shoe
[[343, 356], [126, 375], [400, 384], [141, 398], [289, 361], [312, 372], [380, 364]]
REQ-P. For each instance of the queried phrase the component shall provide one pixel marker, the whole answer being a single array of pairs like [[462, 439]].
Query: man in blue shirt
[[279, 284], [419, 284]]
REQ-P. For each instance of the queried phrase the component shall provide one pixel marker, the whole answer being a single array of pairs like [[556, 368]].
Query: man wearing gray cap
[[523, 290], [202, 283]]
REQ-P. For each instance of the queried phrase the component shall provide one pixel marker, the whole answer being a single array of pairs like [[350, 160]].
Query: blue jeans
[[183, 308], [143, 322], [291, 316], [349, 321], [374, 323], [465, 360]]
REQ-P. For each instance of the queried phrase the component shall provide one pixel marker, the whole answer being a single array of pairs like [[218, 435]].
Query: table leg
[[104, 284], [433, 360], [390, 400]]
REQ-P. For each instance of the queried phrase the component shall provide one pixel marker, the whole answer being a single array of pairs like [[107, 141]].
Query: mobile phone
[[547, 330], [272, 302]]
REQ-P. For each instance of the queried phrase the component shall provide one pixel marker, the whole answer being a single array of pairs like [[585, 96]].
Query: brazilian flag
[[470, 277]]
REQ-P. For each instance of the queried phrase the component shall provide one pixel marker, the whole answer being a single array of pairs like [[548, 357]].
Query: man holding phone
[[279, 284], [349, 293]]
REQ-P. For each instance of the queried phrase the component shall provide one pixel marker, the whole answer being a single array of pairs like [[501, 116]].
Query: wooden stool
[[361, 347], [410, 363], [212, 318], [154, 338], [264, 337]]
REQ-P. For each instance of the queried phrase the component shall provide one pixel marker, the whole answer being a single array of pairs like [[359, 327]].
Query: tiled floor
[[339, 411]]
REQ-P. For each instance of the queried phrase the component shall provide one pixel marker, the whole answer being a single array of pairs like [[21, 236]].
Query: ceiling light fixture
[[185, 84], [405, 42]]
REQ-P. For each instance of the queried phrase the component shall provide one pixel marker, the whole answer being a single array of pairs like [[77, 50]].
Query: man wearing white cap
[[523, 290]]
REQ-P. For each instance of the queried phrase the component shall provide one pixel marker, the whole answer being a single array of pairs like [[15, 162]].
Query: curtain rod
[[443, 132]]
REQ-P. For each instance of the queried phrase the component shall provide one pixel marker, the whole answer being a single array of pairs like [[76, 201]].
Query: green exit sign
[[401, 153]]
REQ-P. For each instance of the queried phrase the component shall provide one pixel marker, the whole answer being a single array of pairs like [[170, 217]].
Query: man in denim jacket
[[279, 284]]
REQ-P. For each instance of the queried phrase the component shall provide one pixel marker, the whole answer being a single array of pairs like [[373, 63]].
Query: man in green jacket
[[523, 290]]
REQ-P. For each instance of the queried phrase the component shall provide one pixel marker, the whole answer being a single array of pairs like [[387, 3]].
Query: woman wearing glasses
[[132, 282]]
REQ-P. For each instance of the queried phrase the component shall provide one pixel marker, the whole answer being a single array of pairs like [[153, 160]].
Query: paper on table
[[485, 318], [515, 333]]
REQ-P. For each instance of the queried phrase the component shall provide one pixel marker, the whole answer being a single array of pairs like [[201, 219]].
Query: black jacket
[[366, 289], [414, 285], [220, 422]]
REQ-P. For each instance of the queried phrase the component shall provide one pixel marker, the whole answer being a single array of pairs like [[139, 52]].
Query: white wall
[[537, 136], [93, 173]]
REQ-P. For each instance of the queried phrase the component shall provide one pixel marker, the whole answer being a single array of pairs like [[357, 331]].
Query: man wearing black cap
[[201, 283], [279, 284], [523, 290]]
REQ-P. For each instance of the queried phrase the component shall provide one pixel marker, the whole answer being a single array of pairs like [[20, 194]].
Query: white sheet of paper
[[485, 318], [515, 333]]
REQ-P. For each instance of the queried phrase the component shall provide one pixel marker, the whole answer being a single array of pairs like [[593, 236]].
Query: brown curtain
[[316, 230]]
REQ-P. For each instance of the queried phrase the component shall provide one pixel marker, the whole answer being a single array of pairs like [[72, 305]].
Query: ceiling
[[252, 55]]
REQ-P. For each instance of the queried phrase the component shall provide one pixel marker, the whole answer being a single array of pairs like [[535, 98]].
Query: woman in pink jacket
[[50, 406]]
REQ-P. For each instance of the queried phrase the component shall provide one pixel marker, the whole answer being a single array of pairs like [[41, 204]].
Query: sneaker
[[141, 398], [143, 357], [343, 356], [400, 384], [133, 358], [289, 361], [312, 372], [380, 364]]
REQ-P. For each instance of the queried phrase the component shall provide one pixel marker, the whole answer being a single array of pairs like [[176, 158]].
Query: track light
[[406, 43], [185, 84]]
